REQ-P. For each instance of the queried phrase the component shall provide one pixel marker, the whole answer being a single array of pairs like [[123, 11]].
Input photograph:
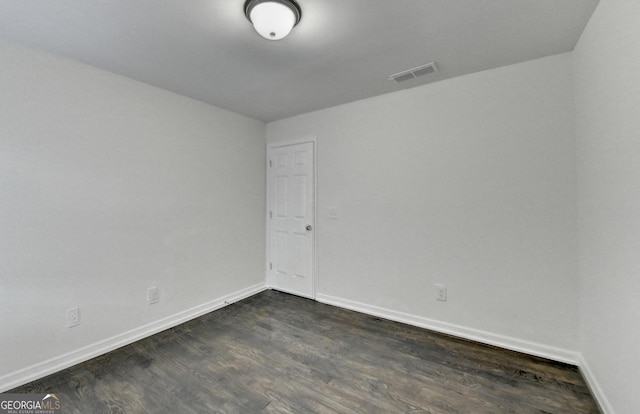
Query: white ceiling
[[342, 50]]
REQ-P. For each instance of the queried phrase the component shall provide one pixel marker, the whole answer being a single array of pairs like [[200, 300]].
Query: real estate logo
[[30, 404]]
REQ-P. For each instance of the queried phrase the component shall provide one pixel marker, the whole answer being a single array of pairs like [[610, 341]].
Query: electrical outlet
[[73, 317], [441, 292], [152, 295]]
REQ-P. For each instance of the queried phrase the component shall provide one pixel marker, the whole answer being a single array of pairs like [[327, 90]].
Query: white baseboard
[[594, 386], [514, 344], [50, 366]]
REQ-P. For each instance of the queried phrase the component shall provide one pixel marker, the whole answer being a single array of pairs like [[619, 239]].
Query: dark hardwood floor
[[277, 353]]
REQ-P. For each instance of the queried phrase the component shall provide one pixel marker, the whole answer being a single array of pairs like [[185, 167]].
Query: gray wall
[[110, 186], [607, 79], [468, 182]]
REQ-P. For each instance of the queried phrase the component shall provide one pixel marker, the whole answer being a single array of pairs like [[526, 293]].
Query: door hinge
[[270, 266], [270, 214], [270, 163]]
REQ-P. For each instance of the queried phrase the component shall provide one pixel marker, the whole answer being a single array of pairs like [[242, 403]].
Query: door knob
[[308, 227]]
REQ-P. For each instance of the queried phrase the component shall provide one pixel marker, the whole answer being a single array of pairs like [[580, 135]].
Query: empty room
[[320, 206]]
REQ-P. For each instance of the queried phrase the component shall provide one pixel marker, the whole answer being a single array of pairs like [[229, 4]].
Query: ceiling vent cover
[[413, 73]]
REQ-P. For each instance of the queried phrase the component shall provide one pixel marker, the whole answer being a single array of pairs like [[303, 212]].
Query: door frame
[[270, 149]]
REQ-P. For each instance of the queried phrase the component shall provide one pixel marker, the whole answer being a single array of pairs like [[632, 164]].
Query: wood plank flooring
[[277, 353]]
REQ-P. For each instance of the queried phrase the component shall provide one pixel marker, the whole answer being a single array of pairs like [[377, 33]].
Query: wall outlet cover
[[73, 317], [152, 295], [441, 292]]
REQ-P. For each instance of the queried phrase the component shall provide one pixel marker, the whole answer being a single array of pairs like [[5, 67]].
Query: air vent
[[406, 75]]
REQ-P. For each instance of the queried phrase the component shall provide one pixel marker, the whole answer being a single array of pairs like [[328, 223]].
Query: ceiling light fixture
[[273, 19]]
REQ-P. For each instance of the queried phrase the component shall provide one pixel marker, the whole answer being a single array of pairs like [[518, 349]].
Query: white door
[[291, 218]]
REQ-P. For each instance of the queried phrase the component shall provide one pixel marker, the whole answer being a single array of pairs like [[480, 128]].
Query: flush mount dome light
[[273, 19]]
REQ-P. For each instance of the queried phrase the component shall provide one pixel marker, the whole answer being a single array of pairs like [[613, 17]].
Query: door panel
[[291, 218]]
